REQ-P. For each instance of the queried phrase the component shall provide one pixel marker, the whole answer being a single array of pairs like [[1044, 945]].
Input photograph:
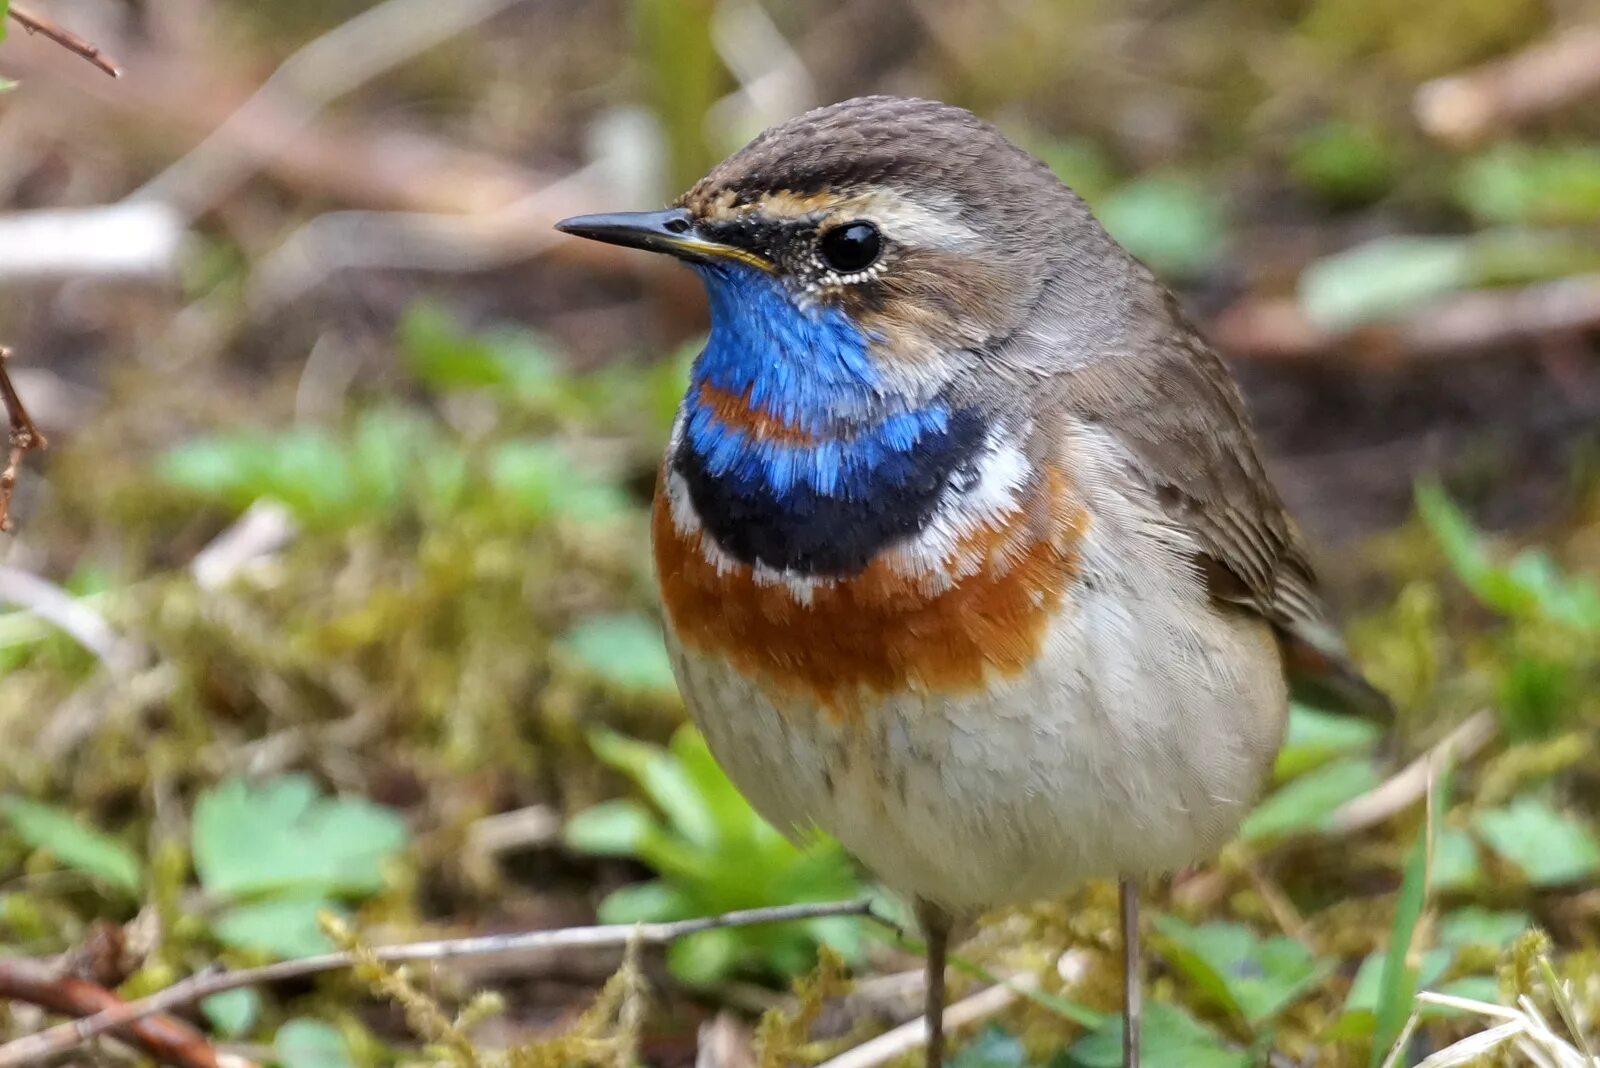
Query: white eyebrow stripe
[[921, 222]]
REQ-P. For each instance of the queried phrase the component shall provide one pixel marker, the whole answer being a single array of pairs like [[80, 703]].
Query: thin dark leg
[[936, 926], [1132, 996]]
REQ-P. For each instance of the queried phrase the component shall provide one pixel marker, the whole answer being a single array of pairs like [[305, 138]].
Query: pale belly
[[1134, 745]]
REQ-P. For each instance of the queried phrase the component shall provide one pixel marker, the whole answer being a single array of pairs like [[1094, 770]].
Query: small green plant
[[73, 844], [277, 854], [714, 854], [1548, 642]]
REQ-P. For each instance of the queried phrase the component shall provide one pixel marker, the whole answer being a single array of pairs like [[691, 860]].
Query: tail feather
[[1321, 674]]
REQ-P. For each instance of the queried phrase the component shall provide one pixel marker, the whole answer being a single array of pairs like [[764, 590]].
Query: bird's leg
[[936, 924], [1132, 996]]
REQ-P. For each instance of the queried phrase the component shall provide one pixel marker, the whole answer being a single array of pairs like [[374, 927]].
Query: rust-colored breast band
[[880, 632]]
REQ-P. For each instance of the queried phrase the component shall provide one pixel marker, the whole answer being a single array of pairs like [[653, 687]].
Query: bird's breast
[[968, 598]]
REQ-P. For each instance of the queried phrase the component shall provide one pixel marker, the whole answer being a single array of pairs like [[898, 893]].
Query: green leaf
[[234, 1012], [1530, 586], [1551, 848], [1474, 926], [285, 927], [1383, 278], [710, 956], [1471, 987], [281, 835], [1252, 977], [1307, 803], [539, 480], [1171, 223], [444, 357], [992, 1048], [663, 780], [1170, 1038], [1344, 163], [625, 652], [610, 829], [228, 469], [72, 843], [303, 1043], [1525, 183], [1315, 737], [649, 902], [1455, 861], [1367, 986]]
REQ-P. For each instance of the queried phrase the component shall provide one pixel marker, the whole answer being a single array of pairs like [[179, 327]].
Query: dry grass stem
[[1410, 785], [914, 1034]]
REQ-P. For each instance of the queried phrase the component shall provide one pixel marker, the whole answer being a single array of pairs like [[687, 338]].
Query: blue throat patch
[[874, 468]]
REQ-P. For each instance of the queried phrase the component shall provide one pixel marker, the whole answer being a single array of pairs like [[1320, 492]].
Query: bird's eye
[[852, 247]]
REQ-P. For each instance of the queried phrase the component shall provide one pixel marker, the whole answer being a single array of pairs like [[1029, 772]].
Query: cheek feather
[[931, 303], [887, 629]]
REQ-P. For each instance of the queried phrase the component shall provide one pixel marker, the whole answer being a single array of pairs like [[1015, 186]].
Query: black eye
[[852, 247]]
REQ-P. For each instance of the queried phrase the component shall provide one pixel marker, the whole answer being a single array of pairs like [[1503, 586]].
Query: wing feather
[[1177, 410]]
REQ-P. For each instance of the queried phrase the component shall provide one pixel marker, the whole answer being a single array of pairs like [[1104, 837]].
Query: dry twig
[[66, 39], [31, 1049], [24, 435], [349, 55], [1452, 327], [914, 1034], [165, 1038], [1466, 107]]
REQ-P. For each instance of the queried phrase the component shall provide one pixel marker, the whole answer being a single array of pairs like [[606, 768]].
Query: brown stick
[[24, 437], [1466, 107], [1460, 325], [165, 1038], [31, 1049], [66, 39]]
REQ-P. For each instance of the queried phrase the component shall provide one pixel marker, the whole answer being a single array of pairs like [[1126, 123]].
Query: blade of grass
[[1398, 987], [1569, 1015]]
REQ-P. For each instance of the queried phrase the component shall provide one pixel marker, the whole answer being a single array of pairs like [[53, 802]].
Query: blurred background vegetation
[[332, 592]]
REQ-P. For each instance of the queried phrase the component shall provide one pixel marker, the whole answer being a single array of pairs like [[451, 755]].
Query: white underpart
[[1135, 743]]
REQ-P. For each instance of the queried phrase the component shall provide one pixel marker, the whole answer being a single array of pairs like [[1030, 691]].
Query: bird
[[966, 551]]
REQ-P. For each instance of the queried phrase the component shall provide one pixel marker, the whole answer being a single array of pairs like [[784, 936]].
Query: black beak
[[672, 231]]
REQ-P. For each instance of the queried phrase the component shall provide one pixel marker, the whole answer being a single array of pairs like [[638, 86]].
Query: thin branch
[[66, 39], [163, 1037], [24, 435], [63, 1037], [347, 56], [1448, 328]]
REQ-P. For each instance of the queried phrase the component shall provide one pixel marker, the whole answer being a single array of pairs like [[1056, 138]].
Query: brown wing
[[1177, 410]]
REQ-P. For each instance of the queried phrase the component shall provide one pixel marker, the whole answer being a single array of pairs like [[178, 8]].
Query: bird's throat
[[797, 453]]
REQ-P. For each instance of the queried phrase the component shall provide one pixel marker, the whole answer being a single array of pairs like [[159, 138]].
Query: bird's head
[[908, 229]]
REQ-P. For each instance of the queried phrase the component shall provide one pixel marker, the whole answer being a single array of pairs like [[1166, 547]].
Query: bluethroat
[[966, 552]]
